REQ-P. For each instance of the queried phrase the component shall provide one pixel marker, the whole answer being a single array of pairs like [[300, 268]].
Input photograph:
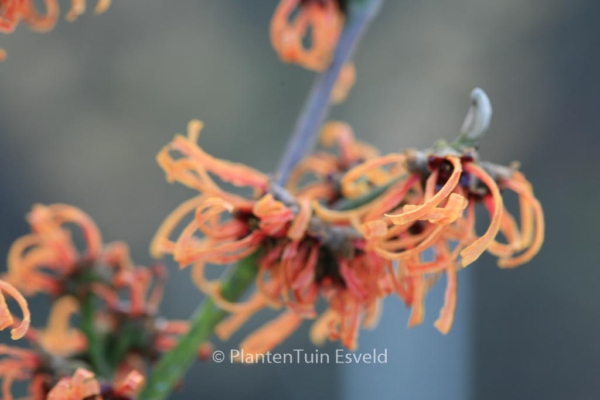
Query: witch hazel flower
[[350, 226], [43, 261], [13, 12], [424, 220], [306, 33], [51, 348], [321, 20], [301, 257], [83, 385], [64, 257], [6, 317]]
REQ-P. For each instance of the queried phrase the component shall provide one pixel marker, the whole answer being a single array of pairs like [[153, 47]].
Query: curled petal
[[508, 227], [352, 178], [319, 164], [102, 6], [414, 213], [341, 134], [229, 326], [443, 215], [189, 249], [78, 8], [271, 334], [322, 20], [431, 238], [300, 224], [392, 197], [322, 327], [526, 195], [354, 284], [234, 173], [374, 229], [161, 243], [273, 214], [81, 385], [213, 289], [418, 308], [444, 322], [474, 250], [48, 219], [6, 318], [37, 21], [208, 220], [350, 325], [85, 382], [59, 338], [389, 198], [373, 315]]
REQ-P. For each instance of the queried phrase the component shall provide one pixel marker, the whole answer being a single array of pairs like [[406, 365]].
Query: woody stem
[[172, 366], [317, 105]]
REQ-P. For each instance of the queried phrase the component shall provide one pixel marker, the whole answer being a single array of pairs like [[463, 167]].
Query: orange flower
[[364, 227], [14, 11], [321, 20], [6, 318], [297, 275], [39, 261], [429, 217], [59, 338], [302, 258], [21, 364], [83, 385], [225, 240]]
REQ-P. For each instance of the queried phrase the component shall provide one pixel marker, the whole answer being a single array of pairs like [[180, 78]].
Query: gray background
[[84, 109]]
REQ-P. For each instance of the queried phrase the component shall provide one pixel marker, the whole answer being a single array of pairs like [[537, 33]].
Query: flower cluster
[[83, 384], [12, 12], [306, 33], [115, 337], [321, 20], [351, 227]]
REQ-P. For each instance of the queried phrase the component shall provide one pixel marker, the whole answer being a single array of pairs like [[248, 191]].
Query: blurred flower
[[122, 297], [6, 318], [41, 261], [21, 364], [50, 345], [59, 338], [83, 385], [318, 22], [14, 11]]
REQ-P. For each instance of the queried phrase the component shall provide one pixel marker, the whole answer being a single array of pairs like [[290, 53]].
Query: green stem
[[172, 366], [95, 348], [128, 336]]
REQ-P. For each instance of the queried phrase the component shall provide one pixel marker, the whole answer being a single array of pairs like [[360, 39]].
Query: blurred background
[[85, 108]]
